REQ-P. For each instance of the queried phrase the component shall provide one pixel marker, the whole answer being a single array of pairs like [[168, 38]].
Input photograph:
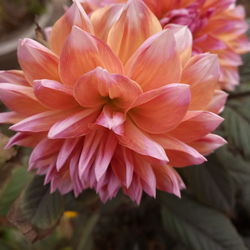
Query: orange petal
[[217, 103], [82, 53], [158, 111], [196, 125], [13, 76], [74, 15], [54, 95], [135, 24], [156, 63], [20, 99], [99, 86], [37, 61], [202, 73]]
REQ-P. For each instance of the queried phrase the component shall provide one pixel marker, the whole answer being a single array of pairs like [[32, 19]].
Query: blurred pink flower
[[116, 111], [217, 26]]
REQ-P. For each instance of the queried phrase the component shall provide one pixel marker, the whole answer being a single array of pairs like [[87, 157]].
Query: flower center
[[191, 16]]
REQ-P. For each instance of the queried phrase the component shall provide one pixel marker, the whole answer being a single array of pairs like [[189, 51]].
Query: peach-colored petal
[[156, 63], [37, 61], [13, 76], [104, 18], [202, 73], [160, 110], [53, 94], [74, 15], [168, 180], [40, 122], [218, 102], [229, 77], [184, 41], [138, 141], [208, 144], [179, 153], [195, 125], [135, 24], [83, 52], [74, 125], [20, 99], [98, 87]]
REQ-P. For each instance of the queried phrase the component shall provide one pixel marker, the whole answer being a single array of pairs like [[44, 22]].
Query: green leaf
[[18, 180], [211, 184], [198, 227], [37, 212]]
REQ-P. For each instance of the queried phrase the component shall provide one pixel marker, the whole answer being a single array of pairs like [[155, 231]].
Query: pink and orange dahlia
[[113, 103], [217, 26]]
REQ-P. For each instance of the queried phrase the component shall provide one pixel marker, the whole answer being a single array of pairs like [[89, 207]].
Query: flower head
[[217, 27], [113, 103]]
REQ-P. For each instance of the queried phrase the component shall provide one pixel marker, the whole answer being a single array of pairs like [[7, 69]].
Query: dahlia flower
[[217, 27], [114, 103]]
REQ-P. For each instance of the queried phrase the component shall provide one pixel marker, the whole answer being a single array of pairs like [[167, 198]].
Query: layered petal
[[74, 16], [156, 63], [83, 52], [98, 87], [54, 95], [37, 61], [13, 76], [160, 110]]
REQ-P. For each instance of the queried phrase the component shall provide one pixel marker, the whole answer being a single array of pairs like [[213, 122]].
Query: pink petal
[[111, 120], [217, 103], [208, 144], [179, 153], [74, 15], [54, 95], [160, 110], [138, 141], [10, 117], [195, 125], [40, 122], [75, 125], [83, 52], [13, 76], [20, 99], [156, 62], [99, 87], [37, 61]]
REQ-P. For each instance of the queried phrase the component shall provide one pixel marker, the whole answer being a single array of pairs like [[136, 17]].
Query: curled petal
[[158, 111], [138, 141], [208, 144], [99, 87], [40, 122], [74, 15], [111, 120], [202, 73], [195, 125], [156, 63], [14, 77], [74, 125], [54, 95], [20, 99], [83, 52], [135, 24], [37, 61], [179, 153]]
